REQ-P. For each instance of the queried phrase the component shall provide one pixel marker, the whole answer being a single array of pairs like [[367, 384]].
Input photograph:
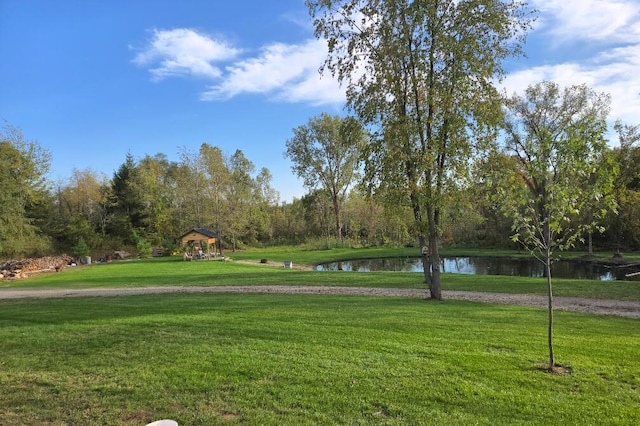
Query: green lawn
[[272, 359], [278, 359], [174, 271]]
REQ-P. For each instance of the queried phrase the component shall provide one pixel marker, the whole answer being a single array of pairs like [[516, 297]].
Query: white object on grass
[[166, 422]]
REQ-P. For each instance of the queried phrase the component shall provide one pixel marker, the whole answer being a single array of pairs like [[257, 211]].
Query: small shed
[[199, 243]]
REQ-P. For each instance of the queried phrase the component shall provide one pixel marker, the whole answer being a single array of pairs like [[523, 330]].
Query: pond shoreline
[[610, 261], [590, 268]]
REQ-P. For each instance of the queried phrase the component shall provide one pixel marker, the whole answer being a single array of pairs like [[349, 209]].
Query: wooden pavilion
[[199, 243]]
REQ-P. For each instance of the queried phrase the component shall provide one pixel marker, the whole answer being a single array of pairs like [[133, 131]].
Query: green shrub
[[81, 249]]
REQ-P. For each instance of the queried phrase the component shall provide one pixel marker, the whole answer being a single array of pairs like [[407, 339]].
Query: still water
[[487, 266]]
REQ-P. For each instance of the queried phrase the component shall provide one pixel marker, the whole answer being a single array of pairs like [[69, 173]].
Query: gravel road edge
[[628, 309]]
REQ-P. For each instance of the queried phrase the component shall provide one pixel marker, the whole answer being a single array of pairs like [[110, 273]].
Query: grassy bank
[[294, 360], [313, 256], [174, 271]]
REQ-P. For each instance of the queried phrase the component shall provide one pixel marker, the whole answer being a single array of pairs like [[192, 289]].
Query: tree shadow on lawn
[[166, 306]]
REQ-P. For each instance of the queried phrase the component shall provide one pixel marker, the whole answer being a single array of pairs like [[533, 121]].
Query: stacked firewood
[[21, 268]]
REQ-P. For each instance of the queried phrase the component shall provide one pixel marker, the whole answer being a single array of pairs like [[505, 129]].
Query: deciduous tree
[[80, 210], [556, 140], [23, 187], [239, 196], [217, 178], [266, 200], [326, 155], [421, 72], [158, 191]]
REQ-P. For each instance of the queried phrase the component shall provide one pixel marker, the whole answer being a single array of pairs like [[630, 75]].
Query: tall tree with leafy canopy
[[190, 182], [422, 73], [23, 187], [239, 196], [556, 141], [80, 210], [266, 202], [326, 155], [158, 192], [217, 178]]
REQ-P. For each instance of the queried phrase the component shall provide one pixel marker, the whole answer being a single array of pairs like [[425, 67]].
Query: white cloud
[[315, 90], [609, 28], [289, 72], [609, 20], [616, 79], [184, 52], [284, 71], [618, 76]]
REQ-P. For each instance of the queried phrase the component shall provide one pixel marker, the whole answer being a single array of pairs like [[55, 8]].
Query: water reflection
[[485, 266]]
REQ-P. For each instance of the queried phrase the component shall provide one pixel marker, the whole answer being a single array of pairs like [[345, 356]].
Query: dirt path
[[629, 309]]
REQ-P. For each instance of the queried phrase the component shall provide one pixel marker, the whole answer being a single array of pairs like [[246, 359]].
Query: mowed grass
[[175, 272], [295, 359], [275, 359]]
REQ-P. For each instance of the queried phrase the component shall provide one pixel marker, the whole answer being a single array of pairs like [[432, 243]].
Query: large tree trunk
[[550, 326], [338, 214], [426, 264], [431, 266], [432, 262], [547, 236]]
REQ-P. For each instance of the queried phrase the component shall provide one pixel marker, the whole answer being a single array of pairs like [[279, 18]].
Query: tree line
[[150, 201]]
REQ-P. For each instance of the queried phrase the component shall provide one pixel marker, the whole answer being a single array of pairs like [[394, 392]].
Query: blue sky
[[92, 80]]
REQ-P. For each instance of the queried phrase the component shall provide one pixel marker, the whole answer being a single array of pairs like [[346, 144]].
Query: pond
[[512, 266]]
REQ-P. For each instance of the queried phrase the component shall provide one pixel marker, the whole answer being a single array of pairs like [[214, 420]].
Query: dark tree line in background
[[150, 201]]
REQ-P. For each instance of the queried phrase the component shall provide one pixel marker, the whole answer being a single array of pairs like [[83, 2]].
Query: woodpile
[[22, 268], [121, 254]]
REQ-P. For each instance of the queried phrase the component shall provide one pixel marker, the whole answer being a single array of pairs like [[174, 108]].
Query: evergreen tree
[[127, 209]]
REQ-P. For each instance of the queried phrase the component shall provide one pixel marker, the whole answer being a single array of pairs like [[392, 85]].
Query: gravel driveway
[[629, 309]]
